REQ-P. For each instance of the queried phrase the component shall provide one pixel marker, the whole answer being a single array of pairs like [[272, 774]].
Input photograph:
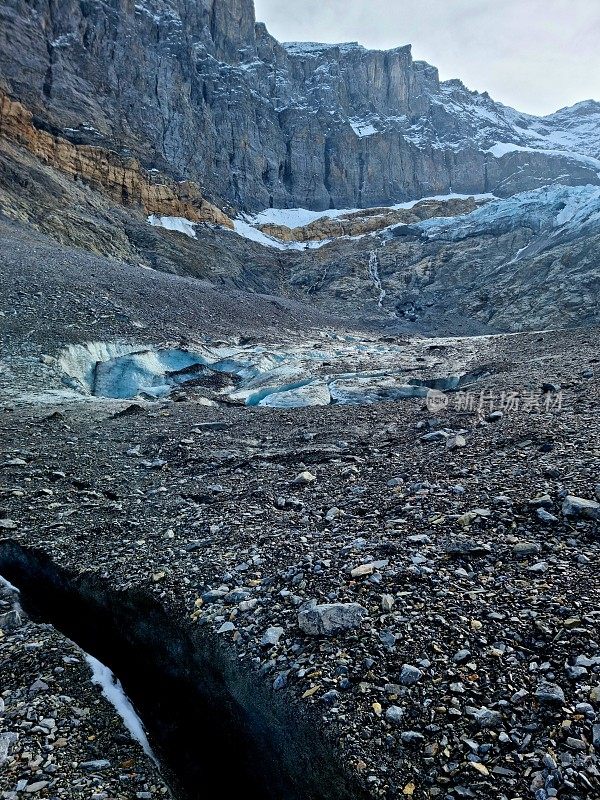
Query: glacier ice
[[570, 209], [290, 376]]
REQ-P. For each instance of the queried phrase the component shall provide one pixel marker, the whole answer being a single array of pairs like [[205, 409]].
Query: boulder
[[331, 618]]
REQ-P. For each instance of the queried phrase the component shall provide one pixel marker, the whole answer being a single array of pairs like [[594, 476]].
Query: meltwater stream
[[350, 372]]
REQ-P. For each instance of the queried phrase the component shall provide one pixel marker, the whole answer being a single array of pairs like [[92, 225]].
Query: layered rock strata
[[124, 180]]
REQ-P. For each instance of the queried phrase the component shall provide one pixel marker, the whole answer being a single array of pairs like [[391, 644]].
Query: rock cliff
[[123, 179], [199, 91]]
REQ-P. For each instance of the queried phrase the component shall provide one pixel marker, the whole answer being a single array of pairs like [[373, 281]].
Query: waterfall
[[374, 275]]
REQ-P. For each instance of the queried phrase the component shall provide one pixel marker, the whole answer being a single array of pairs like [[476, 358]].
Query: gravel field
[[59, 736], [422, 586]]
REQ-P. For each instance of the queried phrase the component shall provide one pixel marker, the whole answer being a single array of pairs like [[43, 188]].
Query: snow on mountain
[[432, 120], [313, 48], [298, 217], [363, 128], [572, 210], [248, 231], [213, 97], [179, 224], [458, 118], [575, 128]]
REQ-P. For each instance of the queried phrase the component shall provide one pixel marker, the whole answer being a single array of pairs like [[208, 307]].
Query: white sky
[[535, 55]]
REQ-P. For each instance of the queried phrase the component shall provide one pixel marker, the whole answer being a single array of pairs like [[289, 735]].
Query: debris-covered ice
[[350, 371]]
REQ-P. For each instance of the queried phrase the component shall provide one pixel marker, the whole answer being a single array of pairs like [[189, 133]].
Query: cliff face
[[122, 179], [197, 90]]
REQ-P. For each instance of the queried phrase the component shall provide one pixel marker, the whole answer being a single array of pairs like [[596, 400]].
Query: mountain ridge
[[201, 91], [138, 123]]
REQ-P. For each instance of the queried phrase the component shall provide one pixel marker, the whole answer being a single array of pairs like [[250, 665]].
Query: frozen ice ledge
[[318, 374]]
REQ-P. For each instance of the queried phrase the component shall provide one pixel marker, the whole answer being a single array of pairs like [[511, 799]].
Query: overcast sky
[[535, 55]]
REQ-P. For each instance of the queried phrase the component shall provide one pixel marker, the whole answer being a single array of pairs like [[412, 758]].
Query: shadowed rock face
[[199, 91]]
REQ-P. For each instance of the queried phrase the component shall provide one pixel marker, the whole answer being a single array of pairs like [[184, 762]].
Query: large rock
[[330, 618], [580, 507], [550, 693]]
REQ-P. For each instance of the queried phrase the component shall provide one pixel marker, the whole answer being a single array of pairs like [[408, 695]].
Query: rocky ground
[[422, 582], [59, 736], [360, 601]]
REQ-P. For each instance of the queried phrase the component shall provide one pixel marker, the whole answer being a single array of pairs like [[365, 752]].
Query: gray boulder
[[580, 507], [331, 618], [550, 693]]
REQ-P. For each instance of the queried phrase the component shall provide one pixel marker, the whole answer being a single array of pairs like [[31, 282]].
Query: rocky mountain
[[265, 489], [197, 90], [191, 117], [446, 266]]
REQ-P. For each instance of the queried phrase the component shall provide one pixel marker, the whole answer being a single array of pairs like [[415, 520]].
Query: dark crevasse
[[201, 708]]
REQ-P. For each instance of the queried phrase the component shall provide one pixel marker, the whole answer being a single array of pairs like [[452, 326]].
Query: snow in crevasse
[[8, 585], [113, 692]]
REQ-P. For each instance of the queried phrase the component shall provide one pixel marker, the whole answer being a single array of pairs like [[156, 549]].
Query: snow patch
[[179, 224], [313, 48], [113, 692], [299, 217], [501, 149], [248, 231], [362, 128], [296, 217], [442, 198]]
